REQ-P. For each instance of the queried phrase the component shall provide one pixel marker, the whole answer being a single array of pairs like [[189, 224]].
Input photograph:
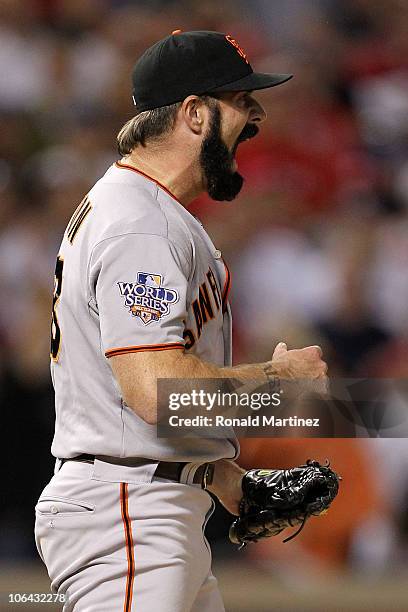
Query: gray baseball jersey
[[135, 272]]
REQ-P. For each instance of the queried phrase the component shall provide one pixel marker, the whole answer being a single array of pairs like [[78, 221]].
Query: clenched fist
[[304, 366]]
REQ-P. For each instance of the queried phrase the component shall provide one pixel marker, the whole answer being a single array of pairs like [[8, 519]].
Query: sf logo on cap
[[237, 47]]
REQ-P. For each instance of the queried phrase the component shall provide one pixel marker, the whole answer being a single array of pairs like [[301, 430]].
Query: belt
[[170, 470]]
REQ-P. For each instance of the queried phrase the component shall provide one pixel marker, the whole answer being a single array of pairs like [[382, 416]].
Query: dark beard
[[216, 160]]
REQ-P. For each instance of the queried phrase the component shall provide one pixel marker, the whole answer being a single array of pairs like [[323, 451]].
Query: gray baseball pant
[[116, 538]]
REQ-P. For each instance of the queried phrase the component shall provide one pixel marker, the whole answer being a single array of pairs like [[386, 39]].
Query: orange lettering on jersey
[[189, 339], [214, 288], [205, 304], [198, 317], [203, 309], [78, 218], [227, 287], [239, 49], [55, 328]]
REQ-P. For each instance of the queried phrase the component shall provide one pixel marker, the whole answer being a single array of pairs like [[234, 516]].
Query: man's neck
[[174, 170]]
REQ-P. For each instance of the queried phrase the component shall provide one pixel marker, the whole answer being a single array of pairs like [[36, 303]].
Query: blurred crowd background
[[317, 242]]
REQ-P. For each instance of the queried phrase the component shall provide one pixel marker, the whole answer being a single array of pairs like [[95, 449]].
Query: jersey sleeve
[[139, 283]]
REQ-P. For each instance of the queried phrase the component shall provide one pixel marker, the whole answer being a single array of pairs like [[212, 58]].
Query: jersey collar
[[119, 164]]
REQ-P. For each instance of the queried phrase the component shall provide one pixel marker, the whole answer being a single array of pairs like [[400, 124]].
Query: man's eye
[[245, 100]]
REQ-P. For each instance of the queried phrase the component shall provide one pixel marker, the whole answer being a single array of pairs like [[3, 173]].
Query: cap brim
[[254, 81]]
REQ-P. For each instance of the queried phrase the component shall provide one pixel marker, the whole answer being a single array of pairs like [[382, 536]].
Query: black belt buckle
[[208, 475]]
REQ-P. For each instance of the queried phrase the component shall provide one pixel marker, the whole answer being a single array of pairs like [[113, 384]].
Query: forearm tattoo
[[273, 379]]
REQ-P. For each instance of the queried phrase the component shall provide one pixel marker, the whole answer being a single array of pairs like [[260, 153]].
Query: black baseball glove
[[276, 499]]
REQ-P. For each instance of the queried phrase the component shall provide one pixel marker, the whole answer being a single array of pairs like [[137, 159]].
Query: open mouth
[[249, 131], [238, 142]]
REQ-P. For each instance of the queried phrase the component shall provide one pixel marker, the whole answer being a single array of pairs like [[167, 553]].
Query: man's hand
[[299, 363], [227, 484], [304, 366]]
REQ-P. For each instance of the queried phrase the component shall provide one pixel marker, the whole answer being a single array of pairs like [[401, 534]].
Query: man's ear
[[194, 113]]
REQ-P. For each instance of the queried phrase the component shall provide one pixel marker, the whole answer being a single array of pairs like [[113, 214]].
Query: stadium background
[[317, 244]]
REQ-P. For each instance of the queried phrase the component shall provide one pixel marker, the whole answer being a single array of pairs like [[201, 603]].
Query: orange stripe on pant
[[124, 496]]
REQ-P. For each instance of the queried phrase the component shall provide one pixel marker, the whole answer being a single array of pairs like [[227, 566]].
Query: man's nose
[[257, 113]]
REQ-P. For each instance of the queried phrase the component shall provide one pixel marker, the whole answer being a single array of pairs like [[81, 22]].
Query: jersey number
[[55, 328]]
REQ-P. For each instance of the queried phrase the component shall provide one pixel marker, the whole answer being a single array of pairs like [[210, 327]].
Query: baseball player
[[141, 293]]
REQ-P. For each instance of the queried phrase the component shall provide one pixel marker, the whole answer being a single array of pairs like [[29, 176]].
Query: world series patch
[[146, 298]]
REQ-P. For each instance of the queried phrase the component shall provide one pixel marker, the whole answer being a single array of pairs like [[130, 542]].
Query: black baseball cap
[[187, 63]]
